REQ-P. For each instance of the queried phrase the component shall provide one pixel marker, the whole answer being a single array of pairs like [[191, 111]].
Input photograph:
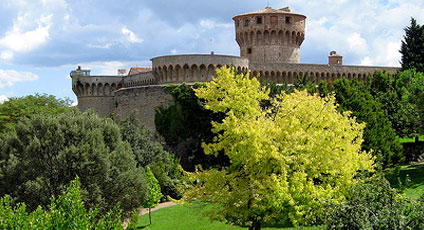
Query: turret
[[270, 35], [335, 59]]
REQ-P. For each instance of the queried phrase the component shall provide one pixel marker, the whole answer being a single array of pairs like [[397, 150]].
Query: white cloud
[[3, 98], [105, 46], [6, 55], [211, 24], [10, 77], [131, 37], [357, 44], [23, 41], [364, 32], [75, 103]]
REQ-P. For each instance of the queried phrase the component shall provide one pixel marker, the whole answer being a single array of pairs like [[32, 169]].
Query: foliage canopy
[[412, 48], [283, 159], [379, 136], [67, 211], [150, 153], [17, 108], [45, 153]]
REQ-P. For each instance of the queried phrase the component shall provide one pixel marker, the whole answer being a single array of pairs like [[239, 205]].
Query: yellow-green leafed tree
[[283, 160]]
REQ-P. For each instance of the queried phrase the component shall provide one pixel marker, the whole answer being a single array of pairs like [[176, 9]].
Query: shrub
[[373, 204], [45, 153], [64, 212], [150, 153]]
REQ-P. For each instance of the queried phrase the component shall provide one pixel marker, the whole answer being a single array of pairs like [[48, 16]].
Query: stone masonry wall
[[144, 99]]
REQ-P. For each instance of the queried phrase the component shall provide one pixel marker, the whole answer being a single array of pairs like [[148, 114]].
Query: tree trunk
[[255, 225], [150, 216]]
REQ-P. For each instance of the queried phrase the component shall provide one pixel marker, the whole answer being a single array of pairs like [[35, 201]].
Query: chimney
[[335, 59]]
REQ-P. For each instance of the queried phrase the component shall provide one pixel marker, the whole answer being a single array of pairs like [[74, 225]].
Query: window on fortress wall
[[246, 22], [249, 50], [259, 20], [274, 19], [288, 19]]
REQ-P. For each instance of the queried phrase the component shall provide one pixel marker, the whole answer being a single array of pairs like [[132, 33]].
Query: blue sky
[[41, 41]]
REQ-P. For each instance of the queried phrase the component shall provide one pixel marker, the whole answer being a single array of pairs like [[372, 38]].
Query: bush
[[150, 153], [373, 204], [185, 125], [45, 153], [379, 136], [65, 212]]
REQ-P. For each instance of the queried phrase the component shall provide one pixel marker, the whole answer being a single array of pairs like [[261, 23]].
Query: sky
[[41, 41]]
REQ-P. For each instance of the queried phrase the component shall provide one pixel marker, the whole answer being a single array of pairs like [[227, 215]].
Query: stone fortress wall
[[269, 41]]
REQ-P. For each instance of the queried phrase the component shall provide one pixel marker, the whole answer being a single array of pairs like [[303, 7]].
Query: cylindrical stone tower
[[270, 35]]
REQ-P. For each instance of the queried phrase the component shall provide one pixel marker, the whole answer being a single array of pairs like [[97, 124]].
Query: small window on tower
[[288, 19], [259, 20], [274, 19], [246, 22], [249, 50]]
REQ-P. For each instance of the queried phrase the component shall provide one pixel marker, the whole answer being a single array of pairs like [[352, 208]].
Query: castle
[[269, 41]]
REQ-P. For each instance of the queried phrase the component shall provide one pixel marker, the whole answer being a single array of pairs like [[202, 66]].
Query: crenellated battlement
[[193, 67]]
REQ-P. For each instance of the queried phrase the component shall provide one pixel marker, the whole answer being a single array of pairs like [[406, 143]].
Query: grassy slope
[[415, 173], [182, 217], [185, 217], [410, 139]]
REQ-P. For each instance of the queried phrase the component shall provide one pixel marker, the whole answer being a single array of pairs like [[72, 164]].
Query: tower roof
[[269, 10]]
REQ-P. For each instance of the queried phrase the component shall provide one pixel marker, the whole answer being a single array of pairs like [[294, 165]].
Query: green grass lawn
[[187, 217], [410, 139], [415, 187], [182, 217]]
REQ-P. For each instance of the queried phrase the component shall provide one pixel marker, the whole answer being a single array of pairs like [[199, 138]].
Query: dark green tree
[[410, 86], [304, 81], [383, 89], [185, 125], [17, 108], [412, 48], [46, 152], [150, 153], [379, 136], [373, 204], [323, 88]]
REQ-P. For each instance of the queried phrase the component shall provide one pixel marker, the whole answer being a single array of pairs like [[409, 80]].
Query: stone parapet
[[141, 79], [285, 73], [193, 67]]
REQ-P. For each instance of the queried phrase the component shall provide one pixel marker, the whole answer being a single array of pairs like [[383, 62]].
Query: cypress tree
[[412, 48]]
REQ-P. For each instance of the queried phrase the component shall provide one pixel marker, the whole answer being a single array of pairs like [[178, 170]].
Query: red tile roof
[[137, 70]]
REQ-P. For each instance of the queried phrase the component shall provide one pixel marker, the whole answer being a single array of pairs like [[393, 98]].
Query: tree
[[373, 204], [412, 48], [64, 212], [383, 89], [355, 96], [323, 89], [305, 82], [45, 153], [283, 160], [150, 153], [153, 192], [185, 124], [17, 108], [410, 86]]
